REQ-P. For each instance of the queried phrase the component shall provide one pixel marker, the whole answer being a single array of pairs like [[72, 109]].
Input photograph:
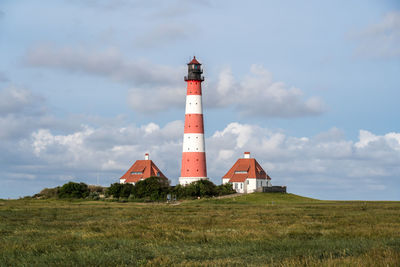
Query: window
[[241, 185], [158, 174], [239, 172], [248, 182], [236, 185], [135, 173]]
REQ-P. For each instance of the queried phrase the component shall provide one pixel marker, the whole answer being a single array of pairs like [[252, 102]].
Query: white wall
[[224, 181], [239, 187], [253, 184], [249, 186]]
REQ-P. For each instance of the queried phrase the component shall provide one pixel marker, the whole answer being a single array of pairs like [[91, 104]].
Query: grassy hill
[[262, 199], [255, 229]]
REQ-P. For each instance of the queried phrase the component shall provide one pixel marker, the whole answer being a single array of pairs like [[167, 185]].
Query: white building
[[246, 175]]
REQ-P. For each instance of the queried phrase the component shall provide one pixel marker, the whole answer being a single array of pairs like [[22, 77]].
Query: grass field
[[256, 229]]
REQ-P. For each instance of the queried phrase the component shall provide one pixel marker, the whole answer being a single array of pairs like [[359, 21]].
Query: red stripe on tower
[[193, 153], [194, 123]]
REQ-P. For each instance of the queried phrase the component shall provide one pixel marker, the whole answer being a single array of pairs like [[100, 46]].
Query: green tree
[[225, 189], [118, 190], [126, 190], [153, 188], [180, 191], [201, 188], [74, 190]]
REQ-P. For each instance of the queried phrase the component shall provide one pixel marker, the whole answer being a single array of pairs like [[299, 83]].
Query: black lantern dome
[[194, 71]]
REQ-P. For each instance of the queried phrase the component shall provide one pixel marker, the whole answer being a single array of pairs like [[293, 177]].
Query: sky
[[310, 88]]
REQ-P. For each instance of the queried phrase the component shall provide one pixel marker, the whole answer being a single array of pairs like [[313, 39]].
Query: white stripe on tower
[[193, 142], [193, 104]]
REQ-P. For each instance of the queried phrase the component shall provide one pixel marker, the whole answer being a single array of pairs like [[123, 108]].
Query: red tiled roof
[[254, 170], [242, 167], [194, 61], [138, 167], [238, 177], [148, 169]]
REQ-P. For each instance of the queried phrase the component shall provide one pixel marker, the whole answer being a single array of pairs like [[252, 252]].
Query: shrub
[[97, 188], [114, 190], [179, 191], [94, 196], [131, 197], [118, 190], [154, 188], [126, 190], [225, 189], [201, 188], [48, 193], [74, 190]]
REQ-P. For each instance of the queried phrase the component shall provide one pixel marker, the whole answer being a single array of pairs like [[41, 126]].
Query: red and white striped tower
[[193, 153]]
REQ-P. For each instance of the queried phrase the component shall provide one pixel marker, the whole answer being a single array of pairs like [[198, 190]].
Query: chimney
[[146, 156], [246, 155]]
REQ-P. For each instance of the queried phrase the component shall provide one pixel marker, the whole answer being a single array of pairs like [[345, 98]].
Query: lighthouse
[[193, 152]]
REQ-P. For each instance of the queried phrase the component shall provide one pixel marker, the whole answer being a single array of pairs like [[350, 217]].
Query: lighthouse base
[[189, 180]]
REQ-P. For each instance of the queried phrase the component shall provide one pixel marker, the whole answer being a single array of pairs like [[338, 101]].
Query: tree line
[[150, 189]]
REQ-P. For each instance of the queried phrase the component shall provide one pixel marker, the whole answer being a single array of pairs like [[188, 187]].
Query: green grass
[[263, 199], [255, 229]]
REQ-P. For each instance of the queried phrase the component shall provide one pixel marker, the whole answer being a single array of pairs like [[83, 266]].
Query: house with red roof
[[247, 175], [140, 170]]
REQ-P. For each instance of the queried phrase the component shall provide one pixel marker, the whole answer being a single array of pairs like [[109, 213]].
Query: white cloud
[[158, 88], [313, 164], [21, 111], [81, 150], [16, 100], [241, 132], [367, 139], [287, 155], [151, 127], [225, 154], [106, 63], [381, 40], [255, 95], [43, 139], [258, 95], [317, 163]]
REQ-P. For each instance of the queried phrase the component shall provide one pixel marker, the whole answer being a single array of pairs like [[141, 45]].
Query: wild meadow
[[256, 229]]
